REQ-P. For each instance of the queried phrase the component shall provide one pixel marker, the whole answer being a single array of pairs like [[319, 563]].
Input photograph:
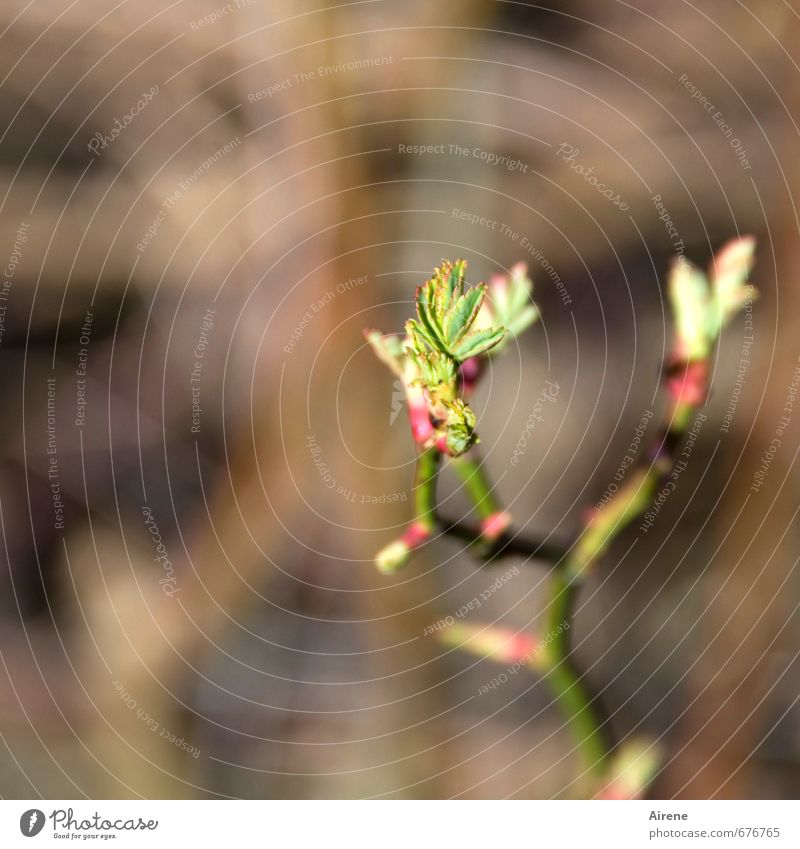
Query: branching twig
[[443, 424], [506, 545]]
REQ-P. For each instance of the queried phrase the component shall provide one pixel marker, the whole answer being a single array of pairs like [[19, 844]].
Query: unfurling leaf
[[508, 304], [701, 309], [452, 329], [447, 314], [690, 298], [389, 349], [729, 272]]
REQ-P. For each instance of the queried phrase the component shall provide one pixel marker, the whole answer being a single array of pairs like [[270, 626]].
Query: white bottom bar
[[400, 824]]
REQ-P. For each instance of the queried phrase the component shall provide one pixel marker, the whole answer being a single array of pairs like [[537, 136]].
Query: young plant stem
[[507, 545], [470, 470], [582, 710], [395, 555], [584, 713], [438, 348], [493, 520], [425, 489]]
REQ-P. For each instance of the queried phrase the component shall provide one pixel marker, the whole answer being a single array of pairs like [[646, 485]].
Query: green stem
[[425, 489], [574, 700], [583, 713], [477, 485], [390, 558], [564, 679], [494, 520]]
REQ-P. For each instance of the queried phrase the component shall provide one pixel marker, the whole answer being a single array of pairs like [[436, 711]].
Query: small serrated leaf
[[478, 342], [437, 373], [450, 279], [420, 337], [462, 314], [456, 279], [426, 314], [440, 297]]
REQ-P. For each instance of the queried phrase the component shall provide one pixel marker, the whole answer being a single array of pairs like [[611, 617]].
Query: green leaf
[[439, 297], [426, 312], [455, 282], [450, 282], [478, 342], [462, 314], [420, 338], [436, 369]]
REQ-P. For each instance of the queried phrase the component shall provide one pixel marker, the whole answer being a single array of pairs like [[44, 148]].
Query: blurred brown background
[[204, 205]]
